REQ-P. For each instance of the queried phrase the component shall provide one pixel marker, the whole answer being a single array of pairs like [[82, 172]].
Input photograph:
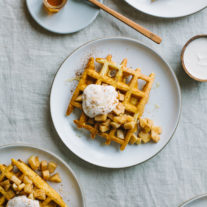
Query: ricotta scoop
[[22, 201], [99, 99]]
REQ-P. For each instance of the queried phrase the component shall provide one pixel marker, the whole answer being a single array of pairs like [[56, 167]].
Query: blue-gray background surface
[[29, 59]]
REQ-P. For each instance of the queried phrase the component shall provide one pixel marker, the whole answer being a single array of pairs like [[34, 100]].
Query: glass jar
[[54, 5]]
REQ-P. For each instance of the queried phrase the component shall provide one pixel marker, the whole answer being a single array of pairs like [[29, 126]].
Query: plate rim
[[52, 154], [142, 44], [193, 199], [164, 17], [58, 32]]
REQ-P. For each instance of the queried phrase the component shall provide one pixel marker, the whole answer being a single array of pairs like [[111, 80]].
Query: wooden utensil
[[129, 22]]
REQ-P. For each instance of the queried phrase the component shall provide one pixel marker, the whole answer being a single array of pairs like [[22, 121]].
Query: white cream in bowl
[[195, 58]]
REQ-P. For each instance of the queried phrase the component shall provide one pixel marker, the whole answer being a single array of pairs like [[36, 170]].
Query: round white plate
[[76, 15], [198, 201], [69, 188], [168, 8], [166, 96]]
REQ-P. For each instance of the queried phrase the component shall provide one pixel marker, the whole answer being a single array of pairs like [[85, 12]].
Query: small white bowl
[[182, 57]]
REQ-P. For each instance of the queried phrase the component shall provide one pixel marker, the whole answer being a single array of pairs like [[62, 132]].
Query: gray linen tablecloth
[[29, 59]]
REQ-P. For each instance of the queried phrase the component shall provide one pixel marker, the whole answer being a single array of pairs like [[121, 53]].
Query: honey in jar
[[54, 5]]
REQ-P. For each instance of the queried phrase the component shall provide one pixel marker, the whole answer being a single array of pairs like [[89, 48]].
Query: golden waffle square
[[126, 81], [13, 183]]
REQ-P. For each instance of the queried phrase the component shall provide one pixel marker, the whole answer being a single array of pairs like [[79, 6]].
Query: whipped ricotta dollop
[[22, 201], [99, 99], [195, 58]]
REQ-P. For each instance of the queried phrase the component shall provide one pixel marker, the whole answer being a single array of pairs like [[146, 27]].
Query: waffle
[[13, 183], [125, 81]]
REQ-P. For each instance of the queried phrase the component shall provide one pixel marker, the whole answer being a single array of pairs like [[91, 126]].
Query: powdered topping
[[99, 99], [22, 201]]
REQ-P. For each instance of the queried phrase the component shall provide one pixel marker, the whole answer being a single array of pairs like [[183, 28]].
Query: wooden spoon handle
[[129, 22]]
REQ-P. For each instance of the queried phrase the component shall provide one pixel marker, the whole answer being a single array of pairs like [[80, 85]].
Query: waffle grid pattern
[[125, 80], [14, 174]]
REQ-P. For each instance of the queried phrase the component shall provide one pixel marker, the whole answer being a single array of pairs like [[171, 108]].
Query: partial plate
[[76, 15], [198, 201], [163, 107], [69, 188], [168, 8]]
